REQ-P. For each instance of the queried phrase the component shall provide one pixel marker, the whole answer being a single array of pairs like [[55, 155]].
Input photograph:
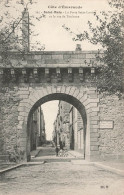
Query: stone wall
[[9, 101], [1, 125], [111, 132]]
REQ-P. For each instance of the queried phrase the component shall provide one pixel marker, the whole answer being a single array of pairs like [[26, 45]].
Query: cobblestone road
[[61, 178]]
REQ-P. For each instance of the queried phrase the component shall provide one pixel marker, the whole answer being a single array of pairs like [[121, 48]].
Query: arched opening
[[63, 97]]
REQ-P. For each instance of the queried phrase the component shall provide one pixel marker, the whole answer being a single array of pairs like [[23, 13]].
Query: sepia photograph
[[61, 97]]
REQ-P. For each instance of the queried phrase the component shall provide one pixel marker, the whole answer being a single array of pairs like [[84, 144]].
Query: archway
[[63, 97]]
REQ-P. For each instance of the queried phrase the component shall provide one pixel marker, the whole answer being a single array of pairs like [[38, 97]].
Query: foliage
[[11, 26], [109, 32]]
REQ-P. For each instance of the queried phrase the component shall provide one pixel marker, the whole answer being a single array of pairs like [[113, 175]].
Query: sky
[[50, 110], [48, 30]]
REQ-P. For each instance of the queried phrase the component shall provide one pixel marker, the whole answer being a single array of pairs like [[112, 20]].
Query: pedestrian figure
[[61, 153], [57, 150], [61, 145]]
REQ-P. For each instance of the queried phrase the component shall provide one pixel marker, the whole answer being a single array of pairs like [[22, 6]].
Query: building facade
[[76, 130], [37, 129], [61, 126], [68, 128]]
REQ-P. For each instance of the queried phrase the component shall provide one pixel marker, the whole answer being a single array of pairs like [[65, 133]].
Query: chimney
[[78, 47], [25, 30]]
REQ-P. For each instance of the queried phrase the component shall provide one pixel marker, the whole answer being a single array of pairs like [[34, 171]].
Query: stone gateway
[[31, 79]]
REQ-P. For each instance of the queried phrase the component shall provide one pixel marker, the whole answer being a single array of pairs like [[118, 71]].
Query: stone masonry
[[18, 101]]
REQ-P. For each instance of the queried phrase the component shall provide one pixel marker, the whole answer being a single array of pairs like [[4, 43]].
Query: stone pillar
[[25, 30]]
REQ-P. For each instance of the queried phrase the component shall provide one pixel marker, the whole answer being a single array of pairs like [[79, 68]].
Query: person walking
[[57, 151]]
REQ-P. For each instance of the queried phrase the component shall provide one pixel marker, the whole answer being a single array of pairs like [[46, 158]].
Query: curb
[[37, 152], [75, 155], [19, 165], [108, 168], [105, 167], [33, 163], [10, 168]]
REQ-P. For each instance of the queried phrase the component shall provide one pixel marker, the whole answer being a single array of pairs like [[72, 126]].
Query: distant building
[[61, 125], [76, 130], [42, 133], [68, 128], [37, 129]]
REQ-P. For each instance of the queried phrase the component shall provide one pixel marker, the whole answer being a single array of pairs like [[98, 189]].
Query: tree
[[11, 28], [109, 32]]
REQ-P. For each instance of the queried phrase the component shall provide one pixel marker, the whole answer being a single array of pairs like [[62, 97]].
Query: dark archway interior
[[63, 97]]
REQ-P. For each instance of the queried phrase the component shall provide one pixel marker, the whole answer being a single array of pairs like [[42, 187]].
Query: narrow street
[[48, 154], [47, 151], [68, 177]]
